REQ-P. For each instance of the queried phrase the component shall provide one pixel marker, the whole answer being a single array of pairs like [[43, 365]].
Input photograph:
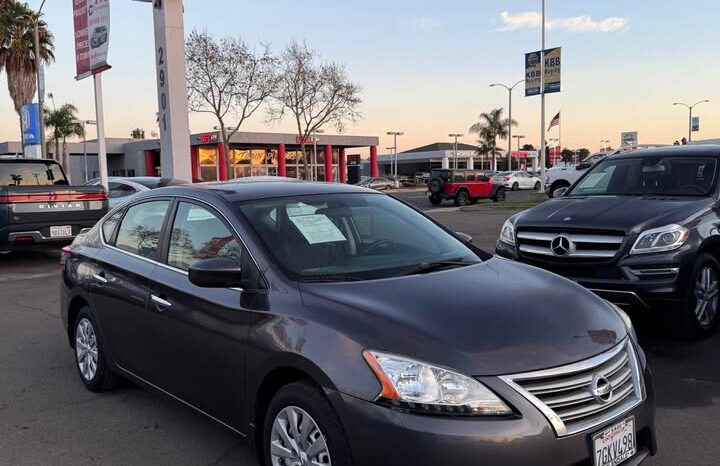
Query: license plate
[[61, 231], [615, 444]]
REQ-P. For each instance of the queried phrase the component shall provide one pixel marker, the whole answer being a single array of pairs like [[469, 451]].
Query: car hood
[[497, 317], [630, 214]]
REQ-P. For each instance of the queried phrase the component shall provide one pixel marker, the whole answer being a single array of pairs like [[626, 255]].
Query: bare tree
[[316, 94], [228, 79]]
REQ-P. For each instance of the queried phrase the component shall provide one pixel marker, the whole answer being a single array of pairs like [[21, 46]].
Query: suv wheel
[[537, 186], [462, 198], [499, 195], [90, 355], [515, 186], [302, 428], [435, 199], [700, 316]]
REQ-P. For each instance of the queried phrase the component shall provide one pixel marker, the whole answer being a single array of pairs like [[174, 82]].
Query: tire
[[437, 185], [302, 398], [435, 200], [557, 185], [515, 186], [537, 186], [462, 198], [695, 319], [87, 338], [499, 195]]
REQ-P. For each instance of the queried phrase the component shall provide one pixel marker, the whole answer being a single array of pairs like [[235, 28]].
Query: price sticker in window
[[317, 228]]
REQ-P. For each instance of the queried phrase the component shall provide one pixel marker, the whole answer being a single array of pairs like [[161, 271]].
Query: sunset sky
[[425, 65]]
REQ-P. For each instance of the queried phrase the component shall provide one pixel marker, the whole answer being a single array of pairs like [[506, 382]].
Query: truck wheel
[[557, 185], [499, 195], [462, 198], [698, 318]]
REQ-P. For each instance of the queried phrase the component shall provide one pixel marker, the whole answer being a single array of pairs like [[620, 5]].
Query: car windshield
[[38, 173], [665, 176], [352, 236]]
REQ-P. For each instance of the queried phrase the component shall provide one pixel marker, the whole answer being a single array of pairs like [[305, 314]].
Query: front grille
[[565, 394], [574, 245]]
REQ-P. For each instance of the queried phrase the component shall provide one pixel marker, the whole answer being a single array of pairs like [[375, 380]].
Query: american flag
[[555, 121]]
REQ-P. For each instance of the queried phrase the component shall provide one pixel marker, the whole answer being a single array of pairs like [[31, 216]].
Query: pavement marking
[[25, 276]]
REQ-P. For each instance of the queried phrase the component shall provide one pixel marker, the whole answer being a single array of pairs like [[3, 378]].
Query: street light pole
[[392, 151], [455, 150], [542, 101], [314, 161], [690, 109], [518, 137], [509, 89], [86, 122], [395, 134], [40, 77]]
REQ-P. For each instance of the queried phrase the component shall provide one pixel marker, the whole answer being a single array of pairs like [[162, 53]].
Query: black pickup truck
[[39, 208]]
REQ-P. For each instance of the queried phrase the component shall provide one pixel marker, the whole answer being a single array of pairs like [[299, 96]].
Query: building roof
[[440, 146]]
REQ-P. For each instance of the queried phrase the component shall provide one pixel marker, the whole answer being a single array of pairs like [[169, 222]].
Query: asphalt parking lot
[[48, 418]]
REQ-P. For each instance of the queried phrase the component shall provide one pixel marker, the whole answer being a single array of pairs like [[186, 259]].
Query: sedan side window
[[120, 190], [109, 226], [139, 231], [198, 234]]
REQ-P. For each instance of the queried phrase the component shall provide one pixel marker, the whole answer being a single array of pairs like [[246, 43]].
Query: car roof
[[705, 150], [253, 188]]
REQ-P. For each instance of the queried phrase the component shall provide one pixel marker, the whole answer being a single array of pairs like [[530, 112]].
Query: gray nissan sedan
[[334, 325]]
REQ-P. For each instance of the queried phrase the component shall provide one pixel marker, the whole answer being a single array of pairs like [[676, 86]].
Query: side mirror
[[464, 237], [560, 192], [583, 166], [218, 272]]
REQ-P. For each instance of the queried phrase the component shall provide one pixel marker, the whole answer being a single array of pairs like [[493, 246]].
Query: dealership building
[[252, 154]]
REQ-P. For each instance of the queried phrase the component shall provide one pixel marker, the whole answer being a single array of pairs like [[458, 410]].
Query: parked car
[[463, 187], [99, 37], [422, 177], [639, 229], [518, 180], [378, 183], [39, 208], [120, 188], [329, 324]]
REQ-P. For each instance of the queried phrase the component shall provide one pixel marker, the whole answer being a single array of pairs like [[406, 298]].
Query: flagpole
[[560, 131]]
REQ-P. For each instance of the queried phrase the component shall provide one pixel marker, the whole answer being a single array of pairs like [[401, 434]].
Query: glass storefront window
[[208, 161]]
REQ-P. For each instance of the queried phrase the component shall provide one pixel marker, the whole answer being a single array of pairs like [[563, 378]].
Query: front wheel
[[699, 318], [499, 195], [302, 428], [515, 186]]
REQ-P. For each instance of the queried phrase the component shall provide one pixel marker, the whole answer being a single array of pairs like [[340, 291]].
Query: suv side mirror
[[218, 272], [560, 191], [464, 237]]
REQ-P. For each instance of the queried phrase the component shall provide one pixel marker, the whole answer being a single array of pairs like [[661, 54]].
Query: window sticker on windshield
[[317, 228], [300, 209]]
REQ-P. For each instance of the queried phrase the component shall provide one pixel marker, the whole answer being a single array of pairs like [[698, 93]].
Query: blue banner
[[30, 124]]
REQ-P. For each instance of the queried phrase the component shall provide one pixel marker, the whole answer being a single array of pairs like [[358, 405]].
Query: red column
[[328, 164], [282, 171], [222, 166], [194, 162], [342, 170], [149, 163], [373, 161]]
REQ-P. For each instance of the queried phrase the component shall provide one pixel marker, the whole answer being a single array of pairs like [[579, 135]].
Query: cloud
[[426, 24], [582, 23]]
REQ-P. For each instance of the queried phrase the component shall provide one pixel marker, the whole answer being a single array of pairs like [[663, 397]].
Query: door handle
[[160, 302], [100, 278]]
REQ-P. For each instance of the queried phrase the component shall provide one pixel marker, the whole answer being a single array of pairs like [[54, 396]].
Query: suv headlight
[[426, 388], [660, 239], [507, 233]]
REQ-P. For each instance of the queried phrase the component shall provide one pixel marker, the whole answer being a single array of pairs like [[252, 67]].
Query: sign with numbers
[[91, 19], [552, 71]]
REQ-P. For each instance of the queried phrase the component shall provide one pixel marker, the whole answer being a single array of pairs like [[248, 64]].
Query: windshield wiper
[[330, 279], [427, 267]]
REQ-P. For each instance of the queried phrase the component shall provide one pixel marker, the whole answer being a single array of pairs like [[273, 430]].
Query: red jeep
[[463, 187]]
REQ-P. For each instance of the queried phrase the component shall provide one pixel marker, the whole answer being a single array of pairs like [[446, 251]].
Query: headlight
[[423, 387], [507, 233], [626, 320], [660, 239]]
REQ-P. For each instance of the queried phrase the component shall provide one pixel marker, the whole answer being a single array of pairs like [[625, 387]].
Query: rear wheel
[[90, 354], [462, 198], [435, 200], [515, 186], [301, 428], [499, 195], [699, 318], [537, 186]]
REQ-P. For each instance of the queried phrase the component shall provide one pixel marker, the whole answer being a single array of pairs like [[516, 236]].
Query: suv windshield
[[666, 176], [341, 237], [38, 173]]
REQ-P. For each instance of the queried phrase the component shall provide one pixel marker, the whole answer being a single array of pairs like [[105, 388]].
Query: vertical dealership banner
[[695, 123], [92, 31], [30, 124], [552, 72]]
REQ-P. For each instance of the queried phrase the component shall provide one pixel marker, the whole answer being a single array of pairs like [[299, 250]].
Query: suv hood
[[497, 317], [630, 214]]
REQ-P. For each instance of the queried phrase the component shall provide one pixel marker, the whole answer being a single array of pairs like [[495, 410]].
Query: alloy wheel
[[706, 296], [86, 349], [296, 440]]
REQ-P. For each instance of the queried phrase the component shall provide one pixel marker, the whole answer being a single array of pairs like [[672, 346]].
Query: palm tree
[[492, 126], [64, 123], [17, 49]]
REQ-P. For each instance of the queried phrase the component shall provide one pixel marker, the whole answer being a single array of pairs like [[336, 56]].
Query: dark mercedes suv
[[335, 325], [638, 229]]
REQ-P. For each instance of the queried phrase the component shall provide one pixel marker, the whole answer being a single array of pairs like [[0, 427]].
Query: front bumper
[[381, 436], [640, 281]]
